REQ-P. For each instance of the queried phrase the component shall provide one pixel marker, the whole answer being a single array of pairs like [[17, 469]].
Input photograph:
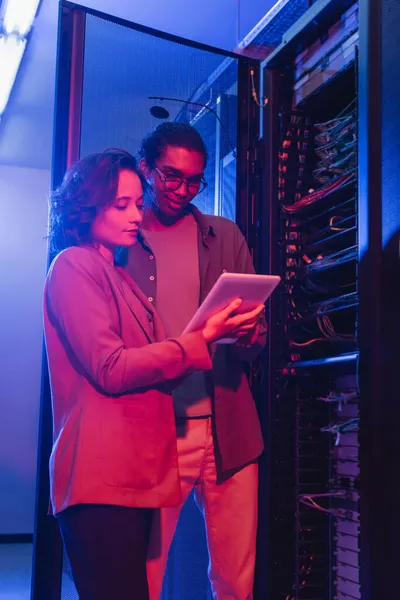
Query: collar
[[202, 221]]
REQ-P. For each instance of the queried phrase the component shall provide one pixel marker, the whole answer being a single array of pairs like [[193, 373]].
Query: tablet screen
[[252, 289]]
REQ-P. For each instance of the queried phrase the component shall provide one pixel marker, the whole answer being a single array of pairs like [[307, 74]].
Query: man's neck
[[153, 221]]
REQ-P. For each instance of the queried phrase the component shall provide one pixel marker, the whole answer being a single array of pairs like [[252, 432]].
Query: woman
[[114, 454]]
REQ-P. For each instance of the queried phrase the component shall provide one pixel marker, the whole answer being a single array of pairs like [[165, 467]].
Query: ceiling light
[[11, 52], [18, 16]]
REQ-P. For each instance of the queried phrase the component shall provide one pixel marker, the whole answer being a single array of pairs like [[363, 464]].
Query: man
[[180, 255]]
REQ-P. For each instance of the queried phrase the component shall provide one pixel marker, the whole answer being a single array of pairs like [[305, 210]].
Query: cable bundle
[[334, 259], [336, 147], [339, 398], [345, 301], [322, 192]]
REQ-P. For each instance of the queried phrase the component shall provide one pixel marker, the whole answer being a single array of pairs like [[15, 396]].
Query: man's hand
[[248, 340]]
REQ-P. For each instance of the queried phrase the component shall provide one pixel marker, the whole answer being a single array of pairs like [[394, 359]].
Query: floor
[[186, 573], [15, 571]]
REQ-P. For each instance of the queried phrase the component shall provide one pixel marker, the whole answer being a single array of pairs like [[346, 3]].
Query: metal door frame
[[48, 551]]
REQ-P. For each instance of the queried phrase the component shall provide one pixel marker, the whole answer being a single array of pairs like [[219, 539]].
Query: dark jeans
[[107, 548]]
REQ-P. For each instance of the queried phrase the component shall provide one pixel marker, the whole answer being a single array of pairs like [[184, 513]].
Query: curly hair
[[89, 186], [169, 133]]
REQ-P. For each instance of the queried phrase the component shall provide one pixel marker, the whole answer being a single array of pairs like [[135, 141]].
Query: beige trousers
[[230, 514]]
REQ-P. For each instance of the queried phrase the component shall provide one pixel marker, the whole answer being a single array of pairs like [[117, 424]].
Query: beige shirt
[[177, 299]]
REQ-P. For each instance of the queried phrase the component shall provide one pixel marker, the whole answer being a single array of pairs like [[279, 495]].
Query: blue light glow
[[324, 361]]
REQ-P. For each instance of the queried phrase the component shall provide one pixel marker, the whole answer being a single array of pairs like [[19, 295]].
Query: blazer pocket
[[129, 452]]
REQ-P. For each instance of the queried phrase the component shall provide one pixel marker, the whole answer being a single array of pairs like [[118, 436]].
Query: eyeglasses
[[172, 183]]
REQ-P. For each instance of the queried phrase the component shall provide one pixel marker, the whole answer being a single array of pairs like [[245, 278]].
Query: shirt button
[[152, 277], [150, 318], [151, 257], [150, 299]]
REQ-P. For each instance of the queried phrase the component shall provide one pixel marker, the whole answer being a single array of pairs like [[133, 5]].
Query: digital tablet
[[252, 289]]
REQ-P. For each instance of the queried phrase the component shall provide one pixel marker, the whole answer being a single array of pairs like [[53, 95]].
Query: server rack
[[330, 220]]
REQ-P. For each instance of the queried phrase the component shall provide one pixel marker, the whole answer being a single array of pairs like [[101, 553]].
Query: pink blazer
[[109, 364]]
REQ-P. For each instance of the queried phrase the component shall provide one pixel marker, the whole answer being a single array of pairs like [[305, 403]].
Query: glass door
[[116, 82]]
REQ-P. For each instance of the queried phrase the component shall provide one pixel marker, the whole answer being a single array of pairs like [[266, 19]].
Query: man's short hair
[[181, 135]]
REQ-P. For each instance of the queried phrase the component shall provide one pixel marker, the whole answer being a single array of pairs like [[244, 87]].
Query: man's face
[[175, 164]]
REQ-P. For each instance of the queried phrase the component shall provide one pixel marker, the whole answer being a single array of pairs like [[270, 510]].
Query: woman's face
[[118, 224]]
